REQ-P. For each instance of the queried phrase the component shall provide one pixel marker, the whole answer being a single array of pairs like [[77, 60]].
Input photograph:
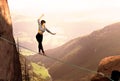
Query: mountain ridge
[[82, 52], [103, 42]]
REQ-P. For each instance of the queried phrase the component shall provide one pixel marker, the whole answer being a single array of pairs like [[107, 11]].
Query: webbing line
[[67, 63]]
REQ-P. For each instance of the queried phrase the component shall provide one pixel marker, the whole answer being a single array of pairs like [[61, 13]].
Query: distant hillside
[[84, 51]]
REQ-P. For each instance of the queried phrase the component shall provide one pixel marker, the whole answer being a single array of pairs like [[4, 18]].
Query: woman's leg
[[38, 39], [41, 46]]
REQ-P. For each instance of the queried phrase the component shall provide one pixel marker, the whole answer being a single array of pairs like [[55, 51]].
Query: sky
[[69, 19]]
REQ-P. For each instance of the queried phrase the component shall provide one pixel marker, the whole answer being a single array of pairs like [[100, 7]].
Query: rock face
[[107, 66], [9, 57], [98, 77]]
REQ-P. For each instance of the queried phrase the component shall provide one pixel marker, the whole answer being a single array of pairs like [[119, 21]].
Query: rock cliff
[[10, 69], [107, 66]]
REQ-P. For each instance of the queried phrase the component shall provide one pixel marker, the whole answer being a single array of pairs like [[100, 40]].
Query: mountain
[[84, 51], [10, 68], [106, 66]]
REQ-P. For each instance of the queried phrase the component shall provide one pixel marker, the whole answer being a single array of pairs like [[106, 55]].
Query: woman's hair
[[43, 21]]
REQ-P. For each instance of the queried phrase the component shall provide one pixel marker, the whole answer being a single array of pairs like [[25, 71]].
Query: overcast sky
[[68, 18]]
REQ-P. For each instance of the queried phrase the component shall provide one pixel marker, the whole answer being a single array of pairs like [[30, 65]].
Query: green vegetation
[[40, 70], [32, 71]]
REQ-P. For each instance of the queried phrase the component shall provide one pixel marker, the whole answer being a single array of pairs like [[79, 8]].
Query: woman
[[39, 36]]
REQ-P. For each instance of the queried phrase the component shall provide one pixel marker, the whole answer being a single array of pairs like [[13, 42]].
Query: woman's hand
[[53, 33], [41, 16]]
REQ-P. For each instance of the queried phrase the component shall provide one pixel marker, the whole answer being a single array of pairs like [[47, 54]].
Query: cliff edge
[[10, 69], [110, 67]]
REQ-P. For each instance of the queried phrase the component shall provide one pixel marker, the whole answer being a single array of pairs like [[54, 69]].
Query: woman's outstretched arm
[[50, 32]]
